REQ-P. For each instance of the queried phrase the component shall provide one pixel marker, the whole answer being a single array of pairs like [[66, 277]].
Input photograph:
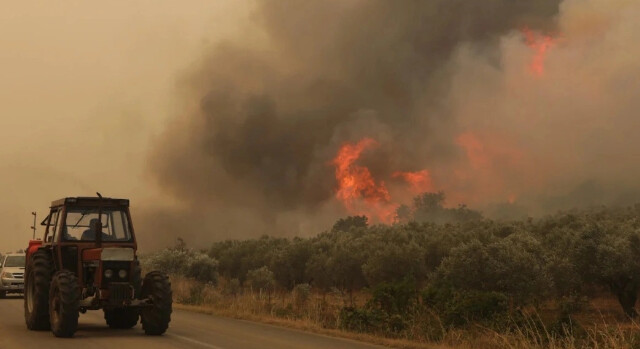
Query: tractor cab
[[85, 234], [80, 230]]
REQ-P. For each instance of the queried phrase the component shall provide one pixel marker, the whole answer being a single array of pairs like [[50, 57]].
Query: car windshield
[[14, 261], [79, 227]]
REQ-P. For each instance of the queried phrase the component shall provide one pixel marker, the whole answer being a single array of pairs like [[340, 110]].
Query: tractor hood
[[109, 254]]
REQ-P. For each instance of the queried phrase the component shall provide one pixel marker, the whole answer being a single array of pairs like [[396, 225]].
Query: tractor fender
[[34, 245]]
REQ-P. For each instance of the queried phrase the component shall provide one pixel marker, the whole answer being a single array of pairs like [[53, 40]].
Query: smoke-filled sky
[[222, 119], [84, 88]]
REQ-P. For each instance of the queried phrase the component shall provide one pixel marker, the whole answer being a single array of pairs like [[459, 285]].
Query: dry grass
[[313, 327], [282, 310], [603, 324]]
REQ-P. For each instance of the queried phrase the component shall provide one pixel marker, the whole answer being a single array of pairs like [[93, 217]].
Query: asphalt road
[[187, 330]]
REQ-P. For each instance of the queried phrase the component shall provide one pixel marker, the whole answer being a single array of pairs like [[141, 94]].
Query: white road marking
[[203, 344]]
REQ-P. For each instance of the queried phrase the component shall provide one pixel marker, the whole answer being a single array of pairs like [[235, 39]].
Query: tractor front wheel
[[36, 291], [155, 318], [64, 299]]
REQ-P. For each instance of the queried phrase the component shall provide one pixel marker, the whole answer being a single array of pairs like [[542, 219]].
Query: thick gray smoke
[[251, 152]]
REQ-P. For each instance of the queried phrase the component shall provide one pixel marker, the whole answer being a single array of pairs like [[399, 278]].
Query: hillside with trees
[[437, 269]]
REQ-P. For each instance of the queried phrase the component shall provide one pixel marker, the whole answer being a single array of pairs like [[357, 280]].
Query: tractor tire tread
[[65, 283], [39, 271], [156, 318]]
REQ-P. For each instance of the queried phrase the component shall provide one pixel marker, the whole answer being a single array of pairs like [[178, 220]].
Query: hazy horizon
[[86, 86]]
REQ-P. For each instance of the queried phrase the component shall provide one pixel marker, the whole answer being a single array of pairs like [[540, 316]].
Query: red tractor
[[87, 261]]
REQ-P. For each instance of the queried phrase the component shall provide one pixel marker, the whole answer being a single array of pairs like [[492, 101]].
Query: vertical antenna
[[33, 227]]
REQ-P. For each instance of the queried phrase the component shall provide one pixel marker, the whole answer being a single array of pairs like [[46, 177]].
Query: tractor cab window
[[82, 224], [53, 223]]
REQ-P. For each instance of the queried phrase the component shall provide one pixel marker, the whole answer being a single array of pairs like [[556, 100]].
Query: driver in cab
[[90, 234]]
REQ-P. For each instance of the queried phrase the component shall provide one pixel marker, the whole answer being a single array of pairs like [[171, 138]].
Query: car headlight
[[122, 274], [108, 273], [7, 275]]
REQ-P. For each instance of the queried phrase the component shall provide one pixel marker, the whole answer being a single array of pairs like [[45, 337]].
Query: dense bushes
[[526, 261], [513, 266], [185, 262], [460, 307], [261, 279], [471, 271]]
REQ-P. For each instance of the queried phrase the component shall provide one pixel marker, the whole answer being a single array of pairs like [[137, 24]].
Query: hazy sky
[[84, 87]]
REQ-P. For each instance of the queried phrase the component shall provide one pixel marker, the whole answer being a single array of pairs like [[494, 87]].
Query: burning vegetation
[[388, 100], [357, 188], [361, 194]]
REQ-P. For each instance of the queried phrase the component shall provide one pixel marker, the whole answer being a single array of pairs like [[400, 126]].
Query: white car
[[12, 274]]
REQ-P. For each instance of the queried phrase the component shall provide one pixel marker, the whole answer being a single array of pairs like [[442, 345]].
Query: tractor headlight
[[7, 275], [108, 273], [122, 274]]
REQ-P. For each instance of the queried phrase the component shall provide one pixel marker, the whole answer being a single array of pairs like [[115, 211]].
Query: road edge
[[303, 327]]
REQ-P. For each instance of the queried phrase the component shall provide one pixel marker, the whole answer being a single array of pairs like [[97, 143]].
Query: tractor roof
[[90, 201]]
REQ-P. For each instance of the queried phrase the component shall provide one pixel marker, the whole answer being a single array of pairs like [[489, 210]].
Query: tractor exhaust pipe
[[99, 228]]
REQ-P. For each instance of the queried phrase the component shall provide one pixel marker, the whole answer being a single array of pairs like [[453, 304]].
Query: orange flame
[[419, 181], [492, 170], [540, 44], [357, 188]]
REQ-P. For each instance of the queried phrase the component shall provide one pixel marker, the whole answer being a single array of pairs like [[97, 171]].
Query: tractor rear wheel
[[155, 318], [64, 301], [122, 318], [36, 291]]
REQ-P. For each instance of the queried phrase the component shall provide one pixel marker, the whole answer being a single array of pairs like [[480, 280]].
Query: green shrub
[[513, 266], [301, 294], [196, 295], [426, 325], [458, 308], [361, 320], [348, 223], [203, 268], [261, 279], [187, 262], [394, 297], [233, 287]]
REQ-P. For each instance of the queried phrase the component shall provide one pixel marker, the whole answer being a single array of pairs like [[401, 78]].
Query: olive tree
[[262, 279], [610, 258], [513, 266], [346, 224]]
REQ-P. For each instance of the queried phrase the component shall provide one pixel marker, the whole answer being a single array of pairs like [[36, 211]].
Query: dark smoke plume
[[251, 152]]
